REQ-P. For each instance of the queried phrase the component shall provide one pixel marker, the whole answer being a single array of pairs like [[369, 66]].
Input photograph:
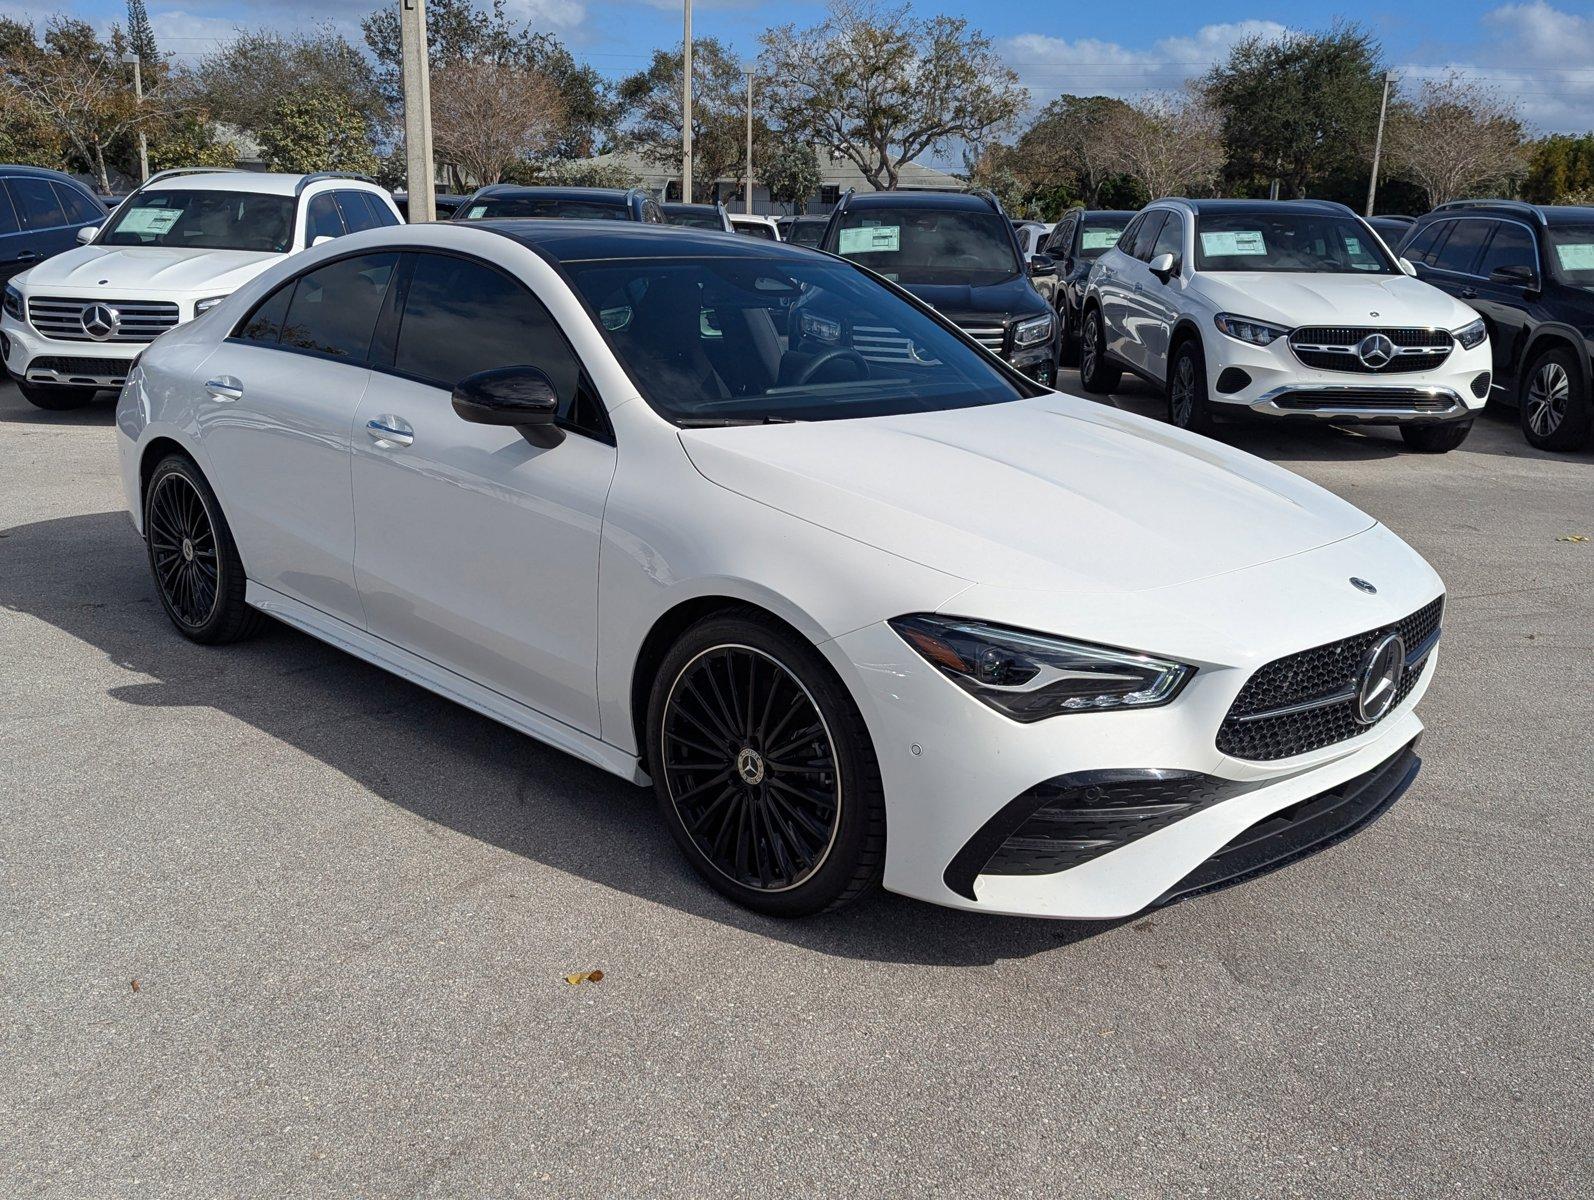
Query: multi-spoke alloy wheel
[[182, 547], [1181, 392], [1557, 401], [751, 768], [1546, 400]]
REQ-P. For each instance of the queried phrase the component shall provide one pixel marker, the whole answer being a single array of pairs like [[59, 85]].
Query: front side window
[[746, 340], [928, 245], [1460, 249], [205, 220], [492, 207], [1097, 235], [1305, 242], [1171, 239], [1423, 246], [334, 308], [37, 203], [1145, 235], [1061, 238], [1511, 246], [1571, 248]]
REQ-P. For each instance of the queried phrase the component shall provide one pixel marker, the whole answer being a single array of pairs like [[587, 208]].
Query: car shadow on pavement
[[86, 576], [14, 410]]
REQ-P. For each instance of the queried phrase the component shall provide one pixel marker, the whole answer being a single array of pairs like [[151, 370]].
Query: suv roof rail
[[1518, 206], [172, 172], [990, 198], [318, 176]]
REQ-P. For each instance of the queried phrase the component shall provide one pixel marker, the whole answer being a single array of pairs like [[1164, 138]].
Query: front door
[[1504, 304]]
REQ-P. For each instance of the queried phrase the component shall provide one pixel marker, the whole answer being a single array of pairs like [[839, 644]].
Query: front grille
[[61, 318], [992, 337], [1372, 399], [884, 344], [1306, 701], [1333, 348]]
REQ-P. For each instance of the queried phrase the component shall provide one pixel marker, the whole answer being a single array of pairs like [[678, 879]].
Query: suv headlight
[[1471, 336], [1033, 331], [201, 307], [1243, 329], [1031, 676], [13, 302]]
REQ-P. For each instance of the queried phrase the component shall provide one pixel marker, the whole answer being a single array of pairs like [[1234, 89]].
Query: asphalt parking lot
[[275, 923]]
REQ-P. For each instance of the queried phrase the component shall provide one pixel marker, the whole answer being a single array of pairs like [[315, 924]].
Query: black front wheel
[[196, 566], [1096, 374], [1435, 439], [1188, 407], [52, 397], [763, 768]]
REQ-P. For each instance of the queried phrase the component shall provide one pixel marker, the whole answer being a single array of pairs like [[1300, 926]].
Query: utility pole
[[1378, 142], [138, 98], [747, 206], [417, 78], [686, 108]]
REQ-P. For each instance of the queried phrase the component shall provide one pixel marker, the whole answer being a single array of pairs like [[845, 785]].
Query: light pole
[[747, 203], [1378, 142], [417, 78], [686, 108], [138, 98]]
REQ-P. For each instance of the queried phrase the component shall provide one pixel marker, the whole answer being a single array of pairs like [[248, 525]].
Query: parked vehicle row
[[41, 213]]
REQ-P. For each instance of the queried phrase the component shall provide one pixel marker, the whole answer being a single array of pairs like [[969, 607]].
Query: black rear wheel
[[763, 769], [196, 566], [1557, 410]]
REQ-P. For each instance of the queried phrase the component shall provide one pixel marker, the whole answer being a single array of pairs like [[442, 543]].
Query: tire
[[193, 558], [54, 398], [1068, 356], [823, 839], [1188, 407], [1435, 439], [1556, 410], [1095, 373]]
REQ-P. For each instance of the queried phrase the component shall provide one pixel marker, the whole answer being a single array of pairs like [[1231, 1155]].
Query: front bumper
[[41, 360]]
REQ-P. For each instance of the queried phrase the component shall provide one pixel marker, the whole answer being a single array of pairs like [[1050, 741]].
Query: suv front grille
[[61, 318], [992, 337], [1306, 701], [1333, 348]]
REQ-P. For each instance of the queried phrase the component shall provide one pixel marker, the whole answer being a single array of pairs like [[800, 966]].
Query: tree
[[316, 131], [1168, 144], [790, 171], [185, 141], [586, 173], [1558, 166], [996, 168], [719, 113], [243, 83], [141, 38], [458, 30], [1456, 139], [881, 86], [487, 116], [1298, 108], [1067, 141]]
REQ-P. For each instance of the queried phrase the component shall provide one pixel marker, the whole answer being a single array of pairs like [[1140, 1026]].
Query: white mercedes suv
[[174, 248], [644, 492], [1292, 309]]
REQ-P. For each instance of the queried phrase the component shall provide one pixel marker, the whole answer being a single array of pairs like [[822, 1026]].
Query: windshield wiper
[[713, 422]]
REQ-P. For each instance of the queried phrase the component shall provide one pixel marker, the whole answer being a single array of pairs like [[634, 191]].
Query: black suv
[[1529, 270], [957, 252], [511, 200], [40, 215], [1078, 239]]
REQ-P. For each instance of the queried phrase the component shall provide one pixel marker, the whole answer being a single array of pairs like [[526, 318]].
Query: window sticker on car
[[150, 220], [1225, 242], [1099, 239], [873, 239], [1352, 246], [476, 210], [1576, 256]]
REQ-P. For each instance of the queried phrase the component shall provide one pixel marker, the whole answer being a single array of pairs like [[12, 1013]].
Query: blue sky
[[1539, 51]]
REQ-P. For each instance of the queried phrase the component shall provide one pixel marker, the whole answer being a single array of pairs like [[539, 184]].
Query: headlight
[[1246, 330], [1031, 676], [1472, 335], [13, 303], [201, 307], [1033, 331]]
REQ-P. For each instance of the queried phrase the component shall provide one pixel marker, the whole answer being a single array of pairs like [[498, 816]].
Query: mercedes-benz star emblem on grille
[[100, 321], [1375, 350], [1361, 585], [1379, 683]]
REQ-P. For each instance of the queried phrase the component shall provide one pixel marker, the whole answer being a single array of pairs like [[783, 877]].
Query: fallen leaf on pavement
[[134, 982], [1573, 537], [593, 976]]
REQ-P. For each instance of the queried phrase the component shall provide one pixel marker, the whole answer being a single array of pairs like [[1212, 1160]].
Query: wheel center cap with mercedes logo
[[100, 321], [1375, 350], [1382, 671]]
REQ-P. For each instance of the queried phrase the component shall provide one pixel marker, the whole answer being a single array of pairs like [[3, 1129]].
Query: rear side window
[[461, 317], [1511, 246], [36, 203], [264, 325], [321, 219], [334, 309], [79, 209], [1461, 248], [8, 215]]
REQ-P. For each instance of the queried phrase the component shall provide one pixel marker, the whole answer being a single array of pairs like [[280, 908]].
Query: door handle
[[28, 256], [390, 430], [224, 388]]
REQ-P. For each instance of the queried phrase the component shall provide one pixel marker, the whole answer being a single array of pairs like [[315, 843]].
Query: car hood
[[995, 301], [149, 268], [1292, 300], [1053, 492]]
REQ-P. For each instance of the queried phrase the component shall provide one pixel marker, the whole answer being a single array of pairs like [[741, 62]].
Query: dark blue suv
[[40, 214]]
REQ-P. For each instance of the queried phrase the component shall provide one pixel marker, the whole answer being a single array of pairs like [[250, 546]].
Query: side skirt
[[445, 683]]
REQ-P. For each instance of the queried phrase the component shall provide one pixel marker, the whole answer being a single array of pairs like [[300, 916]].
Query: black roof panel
[[966, 201], [579, 241]]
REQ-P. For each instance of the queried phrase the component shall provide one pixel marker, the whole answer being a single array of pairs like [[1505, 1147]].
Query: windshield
[[1573, 249], [806, 233], [697, 218], [1284, 241], [927, 245], [746, 340], [205, 221], [1097, 235], [542, 206]]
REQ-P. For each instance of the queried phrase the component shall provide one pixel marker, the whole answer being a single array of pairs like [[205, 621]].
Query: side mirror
[[1518, 275], [1163, 266], [520, 396], [86, 234], [321, 240], [1406, 267], [1042, 264]]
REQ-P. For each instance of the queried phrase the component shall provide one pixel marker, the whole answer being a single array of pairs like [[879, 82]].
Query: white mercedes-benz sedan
[[749, 523]]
